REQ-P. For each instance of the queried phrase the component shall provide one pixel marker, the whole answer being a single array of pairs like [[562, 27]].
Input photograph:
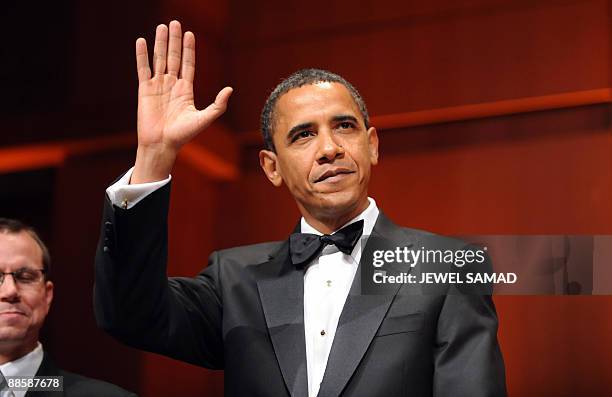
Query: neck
[[12, 351], [328, 221]]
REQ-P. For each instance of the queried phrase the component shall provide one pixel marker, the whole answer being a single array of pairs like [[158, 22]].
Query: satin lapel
[[362, 314], [281, 289]]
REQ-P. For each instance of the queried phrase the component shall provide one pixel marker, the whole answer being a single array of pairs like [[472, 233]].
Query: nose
[[8, 289], [329, 147]]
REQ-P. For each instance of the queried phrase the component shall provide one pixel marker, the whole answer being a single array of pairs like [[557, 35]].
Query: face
[[323, 153], [23, 308]]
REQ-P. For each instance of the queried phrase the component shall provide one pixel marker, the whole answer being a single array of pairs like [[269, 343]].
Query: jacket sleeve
[[467, 357], [138, 304]]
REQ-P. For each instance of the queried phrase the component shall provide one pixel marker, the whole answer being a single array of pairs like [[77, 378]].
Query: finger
[[174, 48], [217, 108], [160, 49], [142, 60], [188, 64]]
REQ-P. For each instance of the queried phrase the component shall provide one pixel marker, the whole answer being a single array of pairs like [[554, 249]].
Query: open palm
[[167, 116]]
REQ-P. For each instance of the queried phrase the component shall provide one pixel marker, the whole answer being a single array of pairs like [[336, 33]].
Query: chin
[[338, 202], [11, 334]]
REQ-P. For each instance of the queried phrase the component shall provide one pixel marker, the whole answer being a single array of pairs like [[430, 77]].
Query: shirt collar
[[369, 216], [26, 365]]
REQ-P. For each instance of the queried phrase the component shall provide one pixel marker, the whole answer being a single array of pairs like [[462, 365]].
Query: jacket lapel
[[281, 289], [47, 368], [362, 313]]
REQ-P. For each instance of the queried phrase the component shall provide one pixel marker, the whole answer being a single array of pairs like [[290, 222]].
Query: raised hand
[[167, 116]]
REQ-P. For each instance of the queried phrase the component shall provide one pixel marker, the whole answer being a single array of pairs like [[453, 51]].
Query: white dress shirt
[[326, 282], [326, 285], [23, 366]]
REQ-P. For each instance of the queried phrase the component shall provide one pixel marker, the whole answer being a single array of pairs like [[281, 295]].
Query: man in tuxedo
[[289, 317], [25, 298]]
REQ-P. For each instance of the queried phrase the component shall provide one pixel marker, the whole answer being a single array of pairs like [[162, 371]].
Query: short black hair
[[13, 226], [298, 79]]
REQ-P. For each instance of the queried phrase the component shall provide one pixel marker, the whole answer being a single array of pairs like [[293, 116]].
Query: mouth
[[8, 318], [12, 313], [334, 175]]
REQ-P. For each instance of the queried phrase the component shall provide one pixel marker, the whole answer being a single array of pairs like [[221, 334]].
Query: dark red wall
[[546, 172]]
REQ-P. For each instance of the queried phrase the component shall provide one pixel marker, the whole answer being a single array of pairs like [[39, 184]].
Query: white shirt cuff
[[124, 195]]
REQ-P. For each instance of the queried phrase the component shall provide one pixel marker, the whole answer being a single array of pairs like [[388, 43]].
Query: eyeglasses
[[25, 276]]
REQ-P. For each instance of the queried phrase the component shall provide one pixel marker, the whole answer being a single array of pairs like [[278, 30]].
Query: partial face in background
[[323, 153], [23, 307]]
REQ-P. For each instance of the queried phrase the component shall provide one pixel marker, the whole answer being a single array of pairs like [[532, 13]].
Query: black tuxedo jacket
[[76, 385], [244, 313]]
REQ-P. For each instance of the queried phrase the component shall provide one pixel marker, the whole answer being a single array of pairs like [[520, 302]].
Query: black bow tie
[[305, 246]]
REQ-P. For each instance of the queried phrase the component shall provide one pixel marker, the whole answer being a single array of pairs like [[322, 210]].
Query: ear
[[269, 164], [48, 293], [373, 145]]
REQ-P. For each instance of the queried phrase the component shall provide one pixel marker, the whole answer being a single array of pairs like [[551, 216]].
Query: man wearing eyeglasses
[[26, 294]]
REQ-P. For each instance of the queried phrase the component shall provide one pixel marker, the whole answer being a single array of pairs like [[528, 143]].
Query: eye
[[346, 125], [26, 276], [301, 135]]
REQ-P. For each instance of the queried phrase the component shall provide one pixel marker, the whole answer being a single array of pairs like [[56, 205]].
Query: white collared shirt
[[24, 366], [326, 282]]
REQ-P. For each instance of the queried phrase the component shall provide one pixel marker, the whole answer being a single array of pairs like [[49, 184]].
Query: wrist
[[153, 163]]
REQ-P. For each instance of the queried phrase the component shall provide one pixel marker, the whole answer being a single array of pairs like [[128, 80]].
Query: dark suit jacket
[[244, 313], [76, 385]]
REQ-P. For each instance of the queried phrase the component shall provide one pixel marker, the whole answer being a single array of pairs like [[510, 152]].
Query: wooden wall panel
[[556, 346], [412, 56], [72, 336], [541, 187]]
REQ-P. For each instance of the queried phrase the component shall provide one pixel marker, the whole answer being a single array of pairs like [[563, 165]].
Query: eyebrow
[[345, 117], [337, 118]]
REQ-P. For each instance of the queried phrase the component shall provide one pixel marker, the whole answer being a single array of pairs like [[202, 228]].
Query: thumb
[[215, 109]]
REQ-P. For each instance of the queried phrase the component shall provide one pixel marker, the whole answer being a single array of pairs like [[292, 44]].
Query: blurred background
[[494, 118]]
